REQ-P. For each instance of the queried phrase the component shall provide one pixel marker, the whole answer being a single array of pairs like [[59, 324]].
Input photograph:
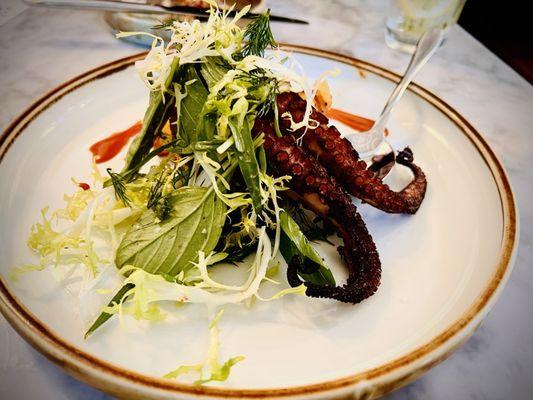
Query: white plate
[[442, 268]]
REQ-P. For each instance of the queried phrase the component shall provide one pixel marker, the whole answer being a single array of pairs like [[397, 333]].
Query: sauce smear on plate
[[353, 121], [105, 149]]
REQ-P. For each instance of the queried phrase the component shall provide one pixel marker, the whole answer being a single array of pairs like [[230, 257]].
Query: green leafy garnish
[[312, 227], [156, 115], [156, 192], [238, 253], [248, 165], [213, 70], [104, 316], [294, 243], [217, 372], [170, 246], [119, 186], [258, 35], [160, 204], [192, 105]]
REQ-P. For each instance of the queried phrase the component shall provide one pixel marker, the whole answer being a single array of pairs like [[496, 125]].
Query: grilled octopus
[[325, 169], [319, 192], [342, 161]]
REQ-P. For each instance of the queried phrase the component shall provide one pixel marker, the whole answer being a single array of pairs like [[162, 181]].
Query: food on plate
[[338, 156], [229, 159]]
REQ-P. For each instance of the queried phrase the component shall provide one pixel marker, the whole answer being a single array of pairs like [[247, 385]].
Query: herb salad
[[165, 222]]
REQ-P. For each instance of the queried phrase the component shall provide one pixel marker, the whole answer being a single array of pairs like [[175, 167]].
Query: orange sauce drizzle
[[105, 149], [353, 121]]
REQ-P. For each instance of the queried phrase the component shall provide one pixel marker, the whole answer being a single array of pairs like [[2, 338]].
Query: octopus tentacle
[[342, 161], [318, 191]]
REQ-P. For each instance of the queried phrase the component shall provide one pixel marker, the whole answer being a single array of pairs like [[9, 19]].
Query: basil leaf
[[170, 246], [294, 243], [155, 117], [192, 105]]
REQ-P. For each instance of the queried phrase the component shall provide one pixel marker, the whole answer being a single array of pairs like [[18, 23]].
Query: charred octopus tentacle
[[319, 192], [342, 161]]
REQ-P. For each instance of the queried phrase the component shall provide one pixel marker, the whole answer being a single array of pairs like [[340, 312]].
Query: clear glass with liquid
[[409, 19]]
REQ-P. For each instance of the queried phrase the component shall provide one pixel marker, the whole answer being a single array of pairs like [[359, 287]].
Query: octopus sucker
[[342, 161], [318, 191]]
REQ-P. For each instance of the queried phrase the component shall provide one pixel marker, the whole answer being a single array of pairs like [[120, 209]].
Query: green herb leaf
[[294, 243], [155, 117], [258, 36], [129, 174], [191, 106], [170, 246], [156, 192], [117, 299], [119, 187], [248, 164], [213, 70]]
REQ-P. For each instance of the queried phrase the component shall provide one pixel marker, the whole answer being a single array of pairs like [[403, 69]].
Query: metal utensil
[[124, 6], [367, 142]]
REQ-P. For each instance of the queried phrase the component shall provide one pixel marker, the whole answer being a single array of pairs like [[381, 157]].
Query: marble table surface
[[40, 48]]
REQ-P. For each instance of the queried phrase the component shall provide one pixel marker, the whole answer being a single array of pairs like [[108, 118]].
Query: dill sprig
[[159, 204], [258, 36], [120, 187], [259, 79], [270, 102], [156, 192]]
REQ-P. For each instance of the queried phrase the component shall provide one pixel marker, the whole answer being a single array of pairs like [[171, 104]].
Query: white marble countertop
[[40, 48]]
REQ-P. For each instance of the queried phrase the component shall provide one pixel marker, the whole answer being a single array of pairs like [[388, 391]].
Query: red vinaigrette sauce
[[105, 149]]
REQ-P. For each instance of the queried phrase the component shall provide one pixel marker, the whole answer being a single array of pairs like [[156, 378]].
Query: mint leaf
[[170, 246]]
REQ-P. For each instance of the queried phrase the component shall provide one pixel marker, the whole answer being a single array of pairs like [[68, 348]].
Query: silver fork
[[369, 142]]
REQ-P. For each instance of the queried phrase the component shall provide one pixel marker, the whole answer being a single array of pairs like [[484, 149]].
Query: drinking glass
[[409, 19]]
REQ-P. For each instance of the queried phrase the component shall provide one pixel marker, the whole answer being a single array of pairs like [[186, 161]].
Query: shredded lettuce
[[55, 248], [300, 290], [75, 203], [232, 200], [190, 42], [88, 214], [211, 366]]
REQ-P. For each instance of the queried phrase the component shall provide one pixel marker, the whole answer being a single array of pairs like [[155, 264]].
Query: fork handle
[[425, 48]]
